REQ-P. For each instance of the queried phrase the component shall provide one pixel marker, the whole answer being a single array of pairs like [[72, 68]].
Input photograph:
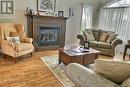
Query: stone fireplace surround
[[48, 32]]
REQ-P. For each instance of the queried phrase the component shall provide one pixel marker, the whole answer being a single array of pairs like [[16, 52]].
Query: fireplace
[[48, 32], [48, 36]]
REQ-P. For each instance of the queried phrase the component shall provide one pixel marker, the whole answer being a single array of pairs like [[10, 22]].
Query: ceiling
[[96, 3]]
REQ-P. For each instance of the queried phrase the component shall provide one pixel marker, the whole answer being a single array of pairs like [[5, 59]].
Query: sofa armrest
[[8, 43], [116, 42], [126, 83], [86, 77], [82, 38]]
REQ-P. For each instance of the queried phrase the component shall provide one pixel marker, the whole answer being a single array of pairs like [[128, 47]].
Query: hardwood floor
[[28, 72], [31, 72]]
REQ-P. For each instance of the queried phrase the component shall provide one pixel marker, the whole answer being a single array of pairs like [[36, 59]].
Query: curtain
[[87, 15], [117, 20]]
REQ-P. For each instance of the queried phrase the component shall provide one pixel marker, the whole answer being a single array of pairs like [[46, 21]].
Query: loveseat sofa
[[104, 41], [104, 74]]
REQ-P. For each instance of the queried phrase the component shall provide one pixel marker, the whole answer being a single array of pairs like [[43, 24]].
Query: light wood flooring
[[31, 72], [28, 72]]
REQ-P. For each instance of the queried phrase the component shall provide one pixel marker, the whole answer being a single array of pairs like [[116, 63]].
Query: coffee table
[[69, 56]]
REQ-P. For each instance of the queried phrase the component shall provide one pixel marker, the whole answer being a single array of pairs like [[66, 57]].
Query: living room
[[64, 43]]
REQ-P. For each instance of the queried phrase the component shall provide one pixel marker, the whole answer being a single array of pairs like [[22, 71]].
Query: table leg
[[59, 61], [124, 53]]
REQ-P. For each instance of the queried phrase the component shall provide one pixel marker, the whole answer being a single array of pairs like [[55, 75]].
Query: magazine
[[80, 50]]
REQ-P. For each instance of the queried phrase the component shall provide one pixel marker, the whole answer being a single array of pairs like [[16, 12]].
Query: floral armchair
[[13, 49]]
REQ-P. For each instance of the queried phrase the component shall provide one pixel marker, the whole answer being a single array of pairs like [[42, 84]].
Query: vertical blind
[[87, 17], [117, 20]]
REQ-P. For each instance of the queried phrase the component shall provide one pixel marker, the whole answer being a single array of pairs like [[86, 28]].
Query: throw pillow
[[14, 34], [111, 37], [103, 37], [13, 39], [21, 35], [16, 39], [96, 34], [9, 38], [88, 35], [115, 71]]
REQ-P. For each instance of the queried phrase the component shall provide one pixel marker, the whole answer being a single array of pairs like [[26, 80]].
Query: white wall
[[73, 24], [20, 6]]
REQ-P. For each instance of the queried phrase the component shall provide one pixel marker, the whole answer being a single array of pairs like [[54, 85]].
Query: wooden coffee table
[[68, 56]]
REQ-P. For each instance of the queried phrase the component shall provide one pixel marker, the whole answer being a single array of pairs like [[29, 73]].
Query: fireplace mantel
[[36, 22]]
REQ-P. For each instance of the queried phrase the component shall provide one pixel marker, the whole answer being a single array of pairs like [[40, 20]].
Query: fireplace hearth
[[48, 32]]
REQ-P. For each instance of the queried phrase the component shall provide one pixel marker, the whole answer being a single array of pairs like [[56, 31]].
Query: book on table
[[80, 50]]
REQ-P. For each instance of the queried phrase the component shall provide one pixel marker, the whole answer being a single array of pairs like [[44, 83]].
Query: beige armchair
[[9, 47]]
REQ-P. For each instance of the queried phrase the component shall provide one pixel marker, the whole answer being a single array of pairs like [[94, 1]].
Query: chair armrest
[[8, 43], [116, 42], [82, 38], [27, 40], [86, 77]]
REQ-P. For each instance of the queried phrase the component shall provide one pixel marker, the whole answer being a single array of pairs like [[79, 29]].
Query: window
[[87, 17], [118, 3]]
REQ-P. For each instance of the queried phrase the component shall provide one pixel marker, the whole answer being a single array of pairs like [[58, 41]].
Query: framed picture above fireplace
[[46, 5]]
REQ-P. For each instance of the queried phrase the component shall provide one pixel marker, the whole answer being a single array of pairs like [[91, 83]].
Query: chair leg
[[31, 54], [14, 59], [4, 56]]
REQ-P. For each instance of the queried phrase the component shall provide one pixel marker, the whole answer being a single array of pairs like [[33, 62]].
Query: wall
[[20, 6], [73, 24]]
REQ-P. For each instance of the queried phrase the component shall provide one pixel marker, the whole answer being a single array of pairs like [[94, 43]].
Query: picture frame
[[46, 5]]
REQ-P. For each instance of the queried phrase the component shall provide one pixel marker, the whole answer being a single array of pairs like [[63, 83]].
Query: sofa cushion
[[93, 43], [23, 46], [116, 71], [104, 45], [111, 37], [88, 35], [96, 34], [104, 37]]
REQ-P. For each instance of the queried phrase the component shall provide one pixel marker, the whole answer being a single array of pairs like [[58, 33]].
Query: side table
[[125, 50]]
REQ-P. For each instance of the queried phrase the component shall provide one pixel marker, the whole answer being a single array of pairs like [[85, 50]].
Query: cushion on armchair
[[88, 35], [96, 34], [93, 43], [22, 35], [111, 37], [13, 39], [23, 46], [104, 45], [86, 77], [115, 71], [103, 37]]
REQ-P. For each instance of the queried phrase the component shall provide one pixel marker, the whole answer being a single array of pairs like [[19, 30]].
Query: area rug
[[58, 70]]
